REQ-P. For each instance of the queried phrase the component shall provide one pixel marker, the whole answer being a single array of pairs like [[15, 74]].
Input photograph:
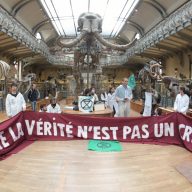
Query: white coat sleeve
[[186, 106], [175, 103], [8, 106]]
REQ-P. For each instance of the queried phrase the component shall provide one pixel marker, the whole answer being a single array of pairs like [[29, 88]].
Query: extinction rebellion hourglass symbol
[[103, 145], [86, 104]]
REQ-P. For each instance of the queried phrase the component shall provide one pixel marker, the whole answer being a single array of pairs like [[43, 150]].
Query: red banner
[[174, 128]]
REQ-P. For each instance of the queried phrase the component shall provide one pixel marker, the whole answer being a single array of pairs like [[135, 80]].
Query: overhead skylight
[[64, 14]]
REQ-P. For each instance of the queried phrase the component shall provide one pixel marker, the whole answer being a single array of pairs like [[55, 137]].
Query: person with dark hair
[[181, 103], [92, 91], [111, 100], [43, 108], [87, 92], [33, 95], [104, 97], [53, 107], [158, 111], [15, 102]]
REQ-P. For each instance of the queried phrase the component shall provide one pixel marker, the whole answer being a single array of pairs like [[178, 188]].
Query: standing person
[[111, 100], [33, 95], [15, 102], [53, 107], [181, 103], [123, 95]]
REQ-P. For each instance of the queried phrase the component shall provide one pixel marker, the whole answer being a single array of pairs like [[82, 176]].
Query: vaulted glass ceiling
[[64, 14]]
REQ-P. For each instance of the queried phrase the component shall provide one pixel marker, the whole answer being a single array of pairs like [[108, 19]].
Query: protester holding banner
[[15, 102], [53, 107], [181, 103], [123, 95]]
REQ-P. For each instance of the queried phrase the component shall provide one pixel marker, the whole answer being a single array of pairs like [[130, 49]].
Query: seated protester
[[75, 106], [104, 98], [94, 95], [53, 107], [87, 92], [157, 111], [43, 108]]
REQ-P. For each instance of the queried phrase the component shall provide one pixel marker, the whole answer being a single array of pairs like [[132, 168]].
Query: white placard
[[85, 103], [148, 104]]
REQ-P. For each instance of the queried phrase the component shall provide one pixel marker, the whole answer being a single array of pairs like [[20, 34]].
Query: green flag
[[104, 146], [131, 81]]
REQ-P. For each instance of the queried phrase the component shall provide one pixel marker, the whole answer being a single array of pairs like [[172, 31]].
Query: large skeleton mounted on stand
[[88, 45]]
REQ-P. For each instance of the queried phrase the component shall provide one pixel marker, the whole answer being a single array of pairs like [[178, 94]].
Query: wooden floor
[[67, 166]]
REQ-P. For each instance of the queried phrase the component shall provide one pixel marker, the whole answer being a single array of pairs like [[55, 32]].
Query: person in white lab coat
[[104, 98], [111, 100], [53, 107], [15, 102], [181, 103]]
